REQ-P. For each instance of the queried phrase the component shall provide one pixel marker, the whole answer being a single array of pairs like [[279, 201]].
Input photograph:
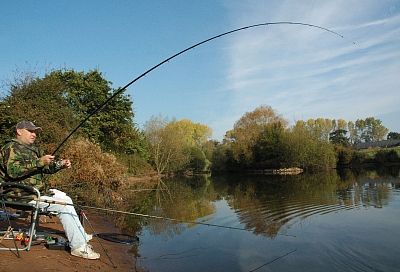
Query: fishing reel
[[59, 163]]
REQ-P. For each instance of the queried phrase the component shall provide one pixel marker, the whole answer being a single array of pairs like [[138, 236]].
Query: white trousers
[[73, 228]]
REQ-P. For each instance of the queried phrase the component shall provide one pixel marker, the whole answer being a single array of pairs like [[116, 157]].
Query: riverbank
[[39, 258]]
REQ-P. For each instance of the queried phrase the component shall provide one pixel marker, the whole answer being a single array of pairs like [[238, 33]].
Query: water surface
[[320, 222]]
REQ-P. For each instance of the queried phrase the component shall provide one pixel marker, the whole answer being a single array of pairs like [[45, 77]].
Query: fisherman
[[24, 162]]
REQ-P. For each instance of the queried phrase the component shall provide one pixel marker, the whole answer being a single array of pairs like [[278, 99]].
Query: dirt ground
[[39, 258]]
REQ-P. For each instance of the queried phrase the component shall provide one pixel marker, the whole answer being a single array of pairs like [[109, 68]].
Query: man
[[24, 162]]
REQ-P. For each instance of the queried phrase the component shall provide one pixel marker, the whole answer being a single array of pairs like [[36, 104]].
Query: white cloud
[[305, 73]]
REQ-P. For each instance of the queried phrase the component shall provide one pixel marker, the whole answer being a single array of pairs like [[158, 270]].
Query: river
[[321, 222]]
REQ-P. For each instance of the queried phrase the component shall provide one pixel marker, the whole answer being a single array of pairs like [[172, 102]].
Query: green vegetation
[[380, 155], [110, 149], [262, 140], [58, 102], [177, 145]]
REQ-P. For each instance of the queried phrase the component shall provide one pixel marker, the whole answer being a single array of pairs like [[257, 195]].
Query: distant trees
[[304, 149], [362, 130], [370, 130], [176, 145], [268, 150], [261, 139], [393, 136], [247, 130], [167, 153], [338, 137]]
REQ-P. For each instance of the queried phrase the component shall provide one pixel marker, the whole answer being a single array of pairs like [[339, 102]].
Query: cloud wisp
[[304, 73]]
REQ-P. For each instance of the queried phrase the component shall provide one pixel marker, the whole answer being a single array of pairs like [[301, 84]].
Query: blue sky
[[301, 72]]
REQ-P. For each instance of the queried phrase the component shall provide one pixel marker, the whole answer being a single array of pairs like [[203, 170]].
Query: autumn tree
[[247, 130], [341, 124], [320, 127], [304, 150], [268, 150], [173, 142], [371, 129], [194, 134]]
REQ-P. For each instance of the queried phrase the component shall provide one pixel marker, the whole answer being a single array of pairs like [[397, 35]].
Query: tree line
[[260, 139]]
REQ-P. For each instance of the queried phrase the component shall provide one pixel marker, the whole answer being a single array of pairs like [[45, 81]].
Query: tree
[[353, 135], [301, 149], [338, 137], [320, 127], [61, 99], [393, 136], [371, 129], [112, 127], [172, 143], [220, 157], [209, 148], [248, 129], [194, 134], [268, 152], [40, 100], [341, 124], [198, 161]]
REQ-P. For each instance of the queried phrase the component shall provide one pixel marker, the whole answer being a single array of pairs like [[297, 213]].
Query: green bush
[[135, 164], [385, 156], [198, 161], [344, 156]]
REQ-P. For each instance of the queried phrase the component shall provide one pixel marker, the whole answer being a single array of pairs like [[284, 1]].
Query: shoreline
[[39, 258]]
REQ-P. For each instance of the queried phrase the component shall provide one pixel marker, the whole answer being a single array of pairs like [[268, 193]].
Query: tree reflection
[[270, 205], [266, 205]]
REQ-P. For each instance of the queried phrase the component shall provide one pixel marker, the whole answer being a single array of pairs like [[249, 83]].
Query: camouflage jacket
[[21, 163]]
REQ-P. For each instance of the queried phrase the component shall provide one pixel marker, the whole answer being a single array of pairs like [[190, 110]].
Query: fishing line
[[120, 90], [101, 244], [270, 262], [146, 190], [150, 216], [26, 198], [173, 219]]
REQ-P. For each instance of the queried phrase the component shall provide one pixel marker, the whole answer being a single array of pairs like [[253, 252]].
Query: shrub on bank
[[94, 178], [135, 164], [387, 156], [344, 155]]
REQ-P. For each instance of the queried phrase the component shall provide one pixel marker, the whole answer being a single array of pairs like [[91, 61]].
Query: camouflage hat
[[28, 125]]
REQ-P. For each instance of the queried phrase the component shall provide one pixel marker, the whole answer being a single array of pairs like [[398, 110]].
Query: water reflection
[[268, 206]]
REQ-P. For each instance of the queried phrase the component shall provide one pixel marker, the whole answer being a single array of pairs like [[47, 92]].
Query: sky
[[301, 72]]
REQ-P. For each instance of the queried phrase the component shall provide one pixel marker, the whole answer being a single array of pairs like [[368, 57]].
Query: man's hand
[[47, 159], [66, 163]]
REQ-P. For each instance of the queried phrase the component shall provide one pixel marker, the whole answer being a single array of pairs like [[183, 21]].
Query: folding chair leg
[[9, 229]]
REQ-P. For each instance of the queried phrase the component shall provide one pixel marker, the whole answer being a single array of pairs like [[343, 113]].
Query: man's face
[[26, 136]]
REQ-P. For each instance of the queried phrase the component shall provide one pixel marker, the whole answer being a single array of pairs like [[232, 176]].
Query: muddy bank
[[39, 258]]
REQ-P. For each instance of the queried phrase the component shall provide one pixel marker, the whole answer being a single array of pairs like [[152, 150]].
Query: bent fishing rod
[[120, 90]]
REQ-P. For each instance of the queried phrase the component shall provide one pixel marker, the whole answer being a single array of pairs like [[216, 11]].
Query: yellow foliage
[[194, 134]]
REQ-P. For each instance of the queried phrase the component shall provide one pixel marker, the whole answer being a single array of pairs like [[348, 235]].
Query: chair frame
[[19, 206]]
